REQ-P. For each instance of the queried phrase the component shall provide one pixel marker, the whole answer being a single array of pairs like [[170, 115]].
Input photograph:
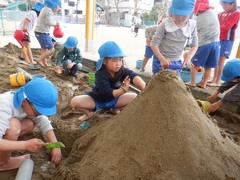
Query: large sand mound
[[163, 134]]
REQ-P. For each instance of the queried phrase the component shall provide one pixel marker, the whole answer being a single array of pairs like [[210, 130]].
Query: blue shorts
[[207, 55], [106, 105], [156, 65], [148, 52], [226, 48], [44, 40]]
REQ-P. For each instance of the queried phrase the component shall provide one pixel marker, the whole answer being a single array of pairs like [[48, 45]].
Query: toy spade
[[52, 145]]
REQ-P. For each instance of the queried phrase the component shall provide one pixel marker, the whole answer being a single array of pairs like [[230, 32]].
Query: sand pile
[[163, 134]]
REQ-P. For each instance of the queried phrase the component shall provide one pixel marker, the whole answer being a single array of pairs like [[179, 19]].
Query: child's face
[[228, 6], [180, 21], [57, 9], [113, 64], [30, 109], [70, 49]]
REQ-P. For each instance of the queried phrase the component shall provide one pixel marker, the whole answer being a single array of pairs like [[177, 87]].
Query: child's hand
[[34, 145], [165, 63], [126, 82], [58, 70]]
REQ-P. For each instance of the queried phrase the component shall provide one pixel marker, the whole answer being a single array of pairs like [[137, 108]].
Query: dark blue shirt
[[104, 85]]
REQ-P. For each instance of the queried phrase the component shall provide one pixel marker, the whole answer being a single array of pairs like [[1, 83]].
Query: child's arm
[[56, 155], [25, 23], [188, 58], [164, 62]]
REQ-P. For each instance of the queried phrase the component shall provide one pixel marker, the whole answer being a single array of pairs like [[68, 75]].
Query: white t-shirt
[[32, 17], [8, 111]]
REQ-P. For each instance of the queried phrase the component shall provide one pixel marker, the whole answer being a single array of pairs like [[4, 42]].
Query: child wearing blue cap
[[112, 82], [20, 111], [231, 76], [208, 42], [171, 36], [228, 24], [27, 25], [70, 57], [44, 23]]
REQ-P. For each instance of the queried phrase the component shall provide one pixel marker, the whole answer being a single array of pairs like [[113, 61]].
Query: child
[[171, 36], [20, 111], [208, 42], [231, 76], [228, 24], [112, 81], [44, 23], [70, 57], [57, 48], [27, 25], [149, 33]]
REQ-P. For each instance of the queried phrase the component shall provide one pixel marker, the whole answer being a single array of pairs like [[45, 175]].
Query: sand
[[162, 134]]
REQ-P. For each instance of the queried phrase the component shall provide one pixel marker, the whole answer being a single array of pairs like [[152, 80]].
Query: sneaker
[[142, 70]]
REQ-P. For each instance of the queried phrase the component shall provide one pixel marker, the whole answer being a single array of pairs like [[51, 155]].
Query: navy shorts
[[156, 65], [226, 48], [44, 40], [106, 105], [207, 55], [148, 52]]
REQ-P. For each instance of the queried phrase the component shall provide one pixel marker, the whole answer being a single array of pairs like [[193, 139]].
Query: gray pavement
[[132, 46]]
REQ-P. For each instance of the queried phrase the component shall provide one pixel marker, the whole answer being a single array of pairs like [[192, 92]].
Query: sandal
[[34, 67]]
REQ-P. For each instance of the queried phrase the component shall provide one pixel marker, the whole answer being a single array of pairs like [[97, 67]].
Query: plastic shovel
[[52, 145]]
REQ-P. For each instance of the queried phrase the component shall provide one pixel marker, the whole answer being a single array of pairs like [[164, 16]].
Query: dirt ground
[[162, 134]]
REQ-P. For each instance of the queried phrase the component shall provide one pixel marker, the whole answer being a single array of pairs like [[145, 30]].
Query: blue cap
[[231, 70], [41, 93], [182, 7], [109, 49], [53, 3], [228, 1], [38, 6], [71, 42]]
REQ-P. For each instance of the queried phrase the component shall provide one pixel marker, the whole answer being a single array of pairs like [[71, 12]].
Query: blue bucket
[[186, 76], [38, 76], [138, 64]]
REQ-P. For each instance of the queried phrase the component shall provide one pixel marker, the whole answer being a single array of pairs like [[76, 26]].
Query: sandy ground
[[163, 134]]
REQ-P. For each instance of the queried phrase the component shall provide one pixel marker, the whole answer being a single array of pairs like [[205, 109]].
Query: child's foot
[[114, 111], [142, 70], [86, 117], [213, 84], [190, 84], [39, 62], [14, 162]]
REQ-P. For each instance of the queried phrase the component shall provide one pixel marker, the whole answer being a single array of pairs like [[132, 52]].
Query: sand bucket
[[204, 104], [91, 78], [138, 64], [36, 76], [17, 79]]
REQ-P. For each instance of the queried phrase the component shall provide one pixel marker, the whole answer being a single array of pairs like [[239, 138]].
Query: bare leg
[[43, 58], [144, 62], [24, 53], [221, 62], [28, 52], [6, 161], [206, 75], [125, 99], [193, 77], [84, 104]]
